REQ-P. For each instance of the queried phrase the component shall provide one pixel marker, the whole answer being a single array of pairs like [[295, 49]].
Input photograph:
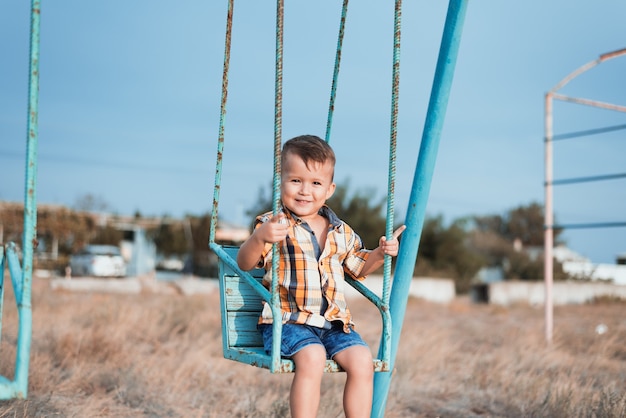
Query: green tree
[[362, 211], [263, 203], [514, 241], [108, 235], [170, 239], [447, 252], [525, 223], [91, 203], [204, 261]]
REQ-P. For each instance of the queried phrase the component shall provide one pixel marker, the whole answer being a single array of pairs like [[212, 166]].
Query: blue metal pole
[[2, 264], [416, 212], [30, 210]]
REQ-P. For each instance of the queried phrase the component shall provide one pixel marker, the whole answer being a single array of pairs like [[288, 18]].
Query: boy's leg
[[304, 398], [302, 344], [358, 393]]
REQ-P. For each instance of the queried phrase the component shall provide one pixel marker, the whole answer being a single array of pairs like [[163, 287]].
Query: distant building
[[582, 268], [229, 233], [138, 251], [490, 274], [574, 264]]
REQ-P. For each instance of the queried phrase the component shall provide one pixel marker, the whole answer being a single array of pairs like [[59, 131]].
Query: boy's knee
[[356, 360], [312, 357], [363, 369]]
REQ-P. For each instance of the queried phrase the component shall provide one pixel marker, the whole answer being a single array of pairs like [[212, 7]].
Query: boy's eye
[[317, 183]]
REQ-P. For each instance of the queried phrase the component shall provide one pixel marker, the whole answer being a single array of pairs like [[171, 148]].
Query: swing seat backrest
[[241, 307]]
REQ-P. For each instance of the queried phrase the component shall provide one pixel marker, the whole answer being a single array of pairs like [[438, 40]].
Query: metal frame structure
[[549, 178], [21, 276], [416, 211]]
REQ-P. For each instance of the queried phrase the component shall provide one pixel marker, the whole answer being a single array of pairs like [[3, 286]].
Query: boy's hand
[[275, 230], [391, 247]]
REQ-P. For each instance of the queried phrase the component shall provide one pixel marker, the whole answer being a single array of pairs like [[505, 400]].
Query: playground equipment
[[549, 226], [393, 302], [21, 276], [242, 292]]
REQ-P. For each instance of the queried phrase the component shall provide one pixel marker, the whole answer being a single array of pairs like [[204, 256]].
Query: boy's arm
[[376, 257], [266, 233], [250, 252]]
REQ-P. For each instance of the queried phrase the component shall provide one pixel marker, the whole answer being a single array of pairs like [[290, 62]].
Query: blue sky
[[130, 94]]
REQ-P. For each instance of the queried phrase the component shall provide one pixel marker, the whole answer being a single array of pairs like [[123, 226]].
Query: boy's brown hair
[[308, 148]]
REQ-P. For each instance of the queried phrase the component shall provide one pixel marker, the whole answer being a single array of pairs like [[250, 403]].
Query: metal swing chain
[[220, 139], [395, 92], [278, 114], [333, 88]]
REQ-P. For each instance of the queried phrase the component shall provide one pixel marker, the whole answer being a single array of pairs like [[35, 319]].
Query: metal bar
[[30, 210], [589, 102], [587, 179], [548, 240], [416, 211], [2, 266], [575, 74], [15, 270], [591, 225], [610, 55], [383, 307], [604, 57], [588, 132], [22, 277]]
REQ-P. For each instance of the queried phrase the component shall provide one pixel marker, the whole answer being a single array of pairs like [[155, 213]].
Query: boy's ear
[[331, 190]]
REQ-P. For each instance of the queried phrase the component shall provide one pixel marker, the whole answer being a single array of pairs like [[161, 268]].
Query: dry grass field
[[157, 355]]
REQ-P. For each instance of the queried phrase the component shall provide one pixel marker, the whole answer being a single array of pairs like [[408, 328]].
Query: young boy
[[316, 249]]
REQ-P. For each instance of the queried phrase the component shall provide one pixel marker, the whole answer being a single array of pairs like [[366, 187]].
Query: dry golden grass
[[154, 355]]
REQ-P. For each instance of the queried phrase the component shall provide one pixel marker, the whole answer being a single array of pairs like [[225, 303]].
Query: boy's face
[[304, 190]]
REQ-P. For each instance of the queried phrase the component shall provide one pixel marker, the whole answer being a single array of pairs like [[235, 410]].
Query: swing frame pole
[[416, 211], [22, 275]]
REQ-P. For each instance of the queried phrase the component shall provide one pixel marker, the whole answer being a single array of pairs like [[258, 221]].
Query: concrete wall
[[506, 293], [611, 272], [96, 285], [433, 290]]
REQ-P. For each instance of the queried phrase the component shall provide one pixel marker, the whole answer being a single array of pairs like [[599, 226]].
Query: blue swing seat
[[241, 306]]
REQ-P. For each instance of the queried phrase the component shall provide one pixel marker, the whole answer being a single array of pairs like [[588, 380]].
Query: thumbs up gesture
[[391, 247], [275, 230]]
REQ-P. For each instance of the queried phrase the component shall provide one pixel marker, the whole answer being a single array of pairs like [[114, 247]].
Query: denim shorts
[[298, 336]]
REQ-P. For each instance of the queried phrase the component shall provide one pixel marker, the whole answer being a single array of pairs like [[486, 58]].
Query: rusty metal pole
[[549, 221]]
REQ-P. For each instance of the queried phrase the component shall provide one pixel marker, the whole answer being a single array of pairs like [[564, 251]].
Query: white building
[[582, 268]]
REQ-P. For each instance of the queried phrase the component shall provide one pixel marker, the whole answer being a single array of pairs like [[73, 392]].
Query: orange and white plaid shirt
[[310, 281]]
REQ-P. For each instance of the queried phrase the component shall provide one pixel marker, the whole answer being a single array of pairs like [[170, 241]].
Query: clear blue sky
[[130, 94]]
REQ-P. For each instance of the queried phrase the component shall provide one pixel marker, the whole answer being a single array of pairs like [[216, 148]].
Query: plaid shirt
[[309, 281]]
